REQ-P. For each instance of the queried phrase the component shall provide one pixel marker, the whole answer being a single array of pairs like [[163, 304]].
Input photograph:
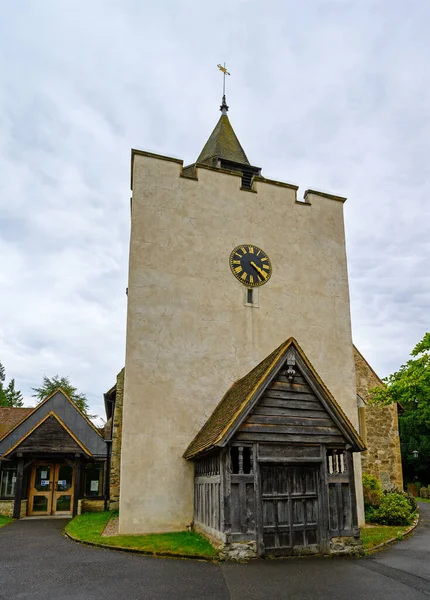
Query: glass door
[[51, 489], [63, 490], [41, 485]]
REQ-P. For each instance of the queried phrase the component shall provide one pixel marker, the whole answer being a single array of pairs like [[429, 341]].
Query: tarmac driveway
[[37, 562]]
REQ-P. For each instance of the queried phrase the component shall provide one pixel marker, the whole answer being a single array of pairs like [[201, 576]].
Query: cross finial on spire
[[223, 108]]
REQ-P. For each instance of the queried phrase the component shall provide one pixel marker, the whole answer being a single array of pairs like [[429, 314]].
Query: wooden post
[[354, 515], [324, 516], [258, 503], [227, 494], [18, 493], [78, 484]]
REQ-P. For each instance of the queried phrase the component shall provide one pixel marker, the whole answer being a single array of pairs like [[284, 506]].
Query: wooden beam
[[350, 467], [18, 493], [295, 430], [288, 438], [78, 484]]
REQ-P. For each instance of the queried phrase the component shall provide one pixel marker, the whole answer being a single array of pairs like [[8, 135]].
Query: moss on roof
[[242, 392], [229, 406], [223, 144]]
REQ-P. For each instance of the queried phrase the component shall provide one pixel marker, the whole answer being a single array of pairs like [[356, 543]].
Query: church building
[[242, 409], [240, 400]]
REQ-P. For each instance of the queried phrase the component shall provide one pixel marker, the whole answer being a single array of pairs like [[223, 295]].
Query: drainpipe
[[106, 490]]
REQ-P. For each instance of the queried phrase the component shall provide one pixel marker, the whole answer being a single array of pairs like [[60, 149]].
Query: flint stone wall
[[382, 457], [115, 464]]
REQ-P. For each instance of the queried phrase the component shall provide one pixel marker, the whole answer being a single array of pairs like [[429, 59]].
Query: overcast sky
[[330, 95]]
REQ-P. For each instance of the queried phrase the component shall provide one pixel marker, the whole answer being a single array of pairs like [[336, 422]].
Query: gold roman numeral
[[235, 262], [244, 275], [237, 269], [251, 279], [258, 253], [243, 249], [251, 249], [263, 259], [266, 267]]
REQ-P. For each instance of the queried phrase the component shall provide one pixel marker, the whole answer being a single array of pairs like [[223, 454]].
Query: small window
[[93, 484], [241, 460], [250, 296], [8, 480], [336, 462]]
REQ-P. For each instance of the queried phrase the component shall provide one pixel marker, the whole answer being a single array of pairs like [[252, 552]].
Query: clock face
[[250, 265]]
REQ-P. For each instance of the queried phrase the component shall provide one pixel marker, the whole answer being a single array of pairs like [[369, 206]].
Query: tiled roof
[[223, 144], [242, 392], [9, 417]]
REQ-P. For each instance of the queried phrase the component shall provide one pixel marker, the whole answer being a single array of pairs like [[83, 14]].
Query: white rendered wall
[[189, 335]]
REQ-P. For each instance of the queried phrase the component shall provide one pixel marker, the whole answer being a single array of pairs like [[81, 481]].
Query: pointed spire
[[223, 149], [223, 143]]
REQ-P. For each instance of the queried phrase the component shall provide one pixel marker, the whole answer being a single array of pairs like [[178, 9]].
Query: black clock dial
[[250, 265]]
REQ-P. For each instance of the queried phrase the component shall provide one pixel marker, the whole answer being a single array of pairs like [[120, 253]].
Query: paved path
[[37, 563]]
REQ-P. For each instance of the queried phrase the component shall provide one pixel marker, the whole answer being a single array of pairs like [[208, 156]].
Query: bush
[[394, 509], [424, 492], [409, 498], [372, 490], [407, 495], [370, 514]]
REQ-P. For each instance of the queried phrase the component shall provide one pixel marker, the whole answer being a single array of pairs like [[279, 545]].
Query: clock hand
[[262, 273]]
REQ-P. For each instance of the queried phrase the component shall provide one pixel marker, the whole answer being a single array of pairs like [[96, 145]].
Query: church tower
[[225, 266]]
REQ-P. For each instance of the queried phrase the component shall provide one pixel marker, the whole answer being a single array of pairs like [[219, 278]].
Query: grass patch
[[89, 526], [4, 520], [374, 535], [422, 499]]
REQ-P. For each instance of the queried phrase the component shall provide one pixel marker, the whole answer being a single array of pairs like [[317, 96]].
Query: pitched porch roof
[[64, 410], [63, 434], [245, 393]]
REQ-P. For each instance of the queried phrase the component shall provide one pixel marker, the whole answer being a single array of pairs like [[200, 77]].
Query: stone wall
[[340, 546], [89, 505], [115, 464], [6, 508], [381, 430]]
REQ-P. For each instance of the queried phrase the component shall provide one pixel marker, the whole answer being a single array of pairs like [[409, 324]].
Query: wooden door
[[41, 486], [62, 501], [289, 497], [51, 489]]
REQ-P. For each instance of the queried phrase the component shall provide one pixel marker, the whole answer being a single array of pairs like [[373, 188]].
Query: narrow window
[[8, 481], [241, 460], [234, 454], [93, 485], [249, 297], [336, 463]]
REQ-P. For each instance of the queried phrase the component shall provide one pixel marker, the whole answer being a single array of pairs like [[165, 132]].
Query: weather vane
[[223, 107]]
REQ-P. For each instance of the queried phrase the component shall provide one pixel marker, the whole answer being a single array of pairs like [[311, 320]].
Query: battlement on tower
[[192, 172]]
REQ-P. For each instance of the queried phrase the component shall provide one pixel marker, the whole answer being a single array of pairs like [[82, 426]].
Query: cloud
[[327, 94]]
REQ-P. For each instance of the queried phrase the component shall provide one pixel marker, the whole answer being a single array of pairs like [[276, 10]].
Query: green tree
[[9, 396], [410, 388], [51, 384], [14, 397]]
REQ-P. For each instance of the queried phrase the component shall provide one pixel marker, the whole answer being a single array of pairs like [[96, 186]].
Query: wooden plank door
[[289, 497], [41, 485]]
